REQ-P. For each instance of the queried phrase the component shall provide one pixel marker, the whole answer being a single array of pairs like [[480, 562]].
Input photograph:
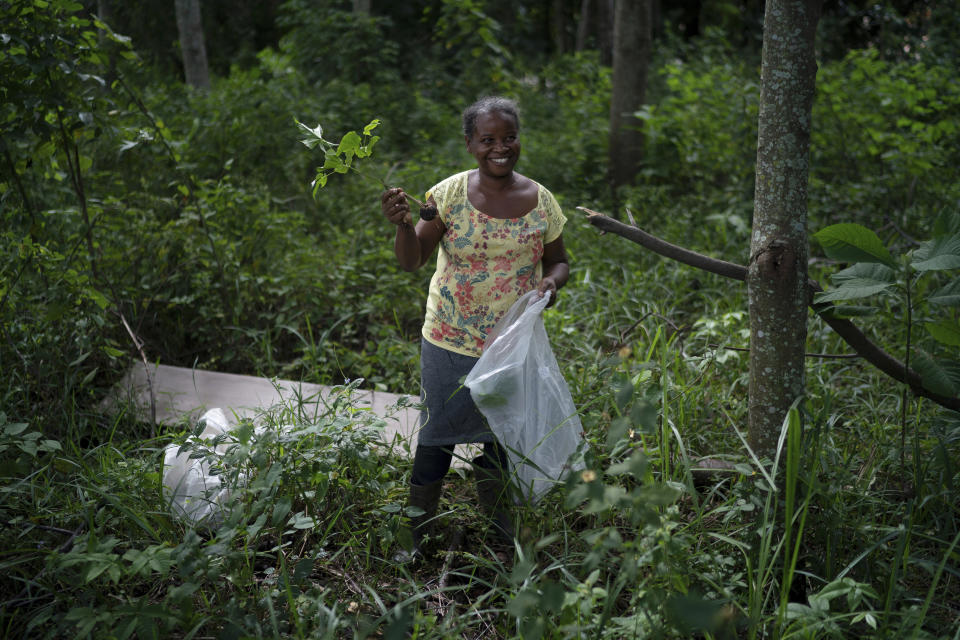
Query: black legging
[[431, 463]]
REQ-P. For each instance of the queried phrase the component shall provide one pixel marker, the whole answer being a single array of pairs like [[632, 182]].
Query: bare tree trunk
[[557, 27], [631, 57], [583, 26], [192, 47], [777, 272], [104, 11], [605, 30]]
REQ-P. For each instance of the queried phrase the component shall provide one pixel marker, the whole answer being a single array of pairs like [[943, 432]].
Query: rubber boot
[[493, 493], [427, 497]]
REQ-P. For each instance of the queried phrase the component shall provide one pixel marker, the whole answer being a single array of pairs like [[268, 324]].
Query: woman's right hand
[[395, 207]]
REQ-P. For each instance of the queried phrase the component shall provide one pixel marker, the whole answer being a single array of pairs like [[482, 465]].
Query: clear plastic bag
[[197, 496], [518, 387]]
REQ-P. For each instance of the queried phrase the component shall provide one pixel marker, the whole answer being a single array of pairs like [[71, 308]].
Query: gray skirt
[[449, 415]]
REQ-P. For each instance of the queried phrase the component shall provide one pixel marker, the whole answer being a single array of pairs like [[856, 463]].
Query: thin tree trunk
[[605, 30], [777, 272], [557, 27], [583, 26], [631, 57], [104, 12], [192, 47]]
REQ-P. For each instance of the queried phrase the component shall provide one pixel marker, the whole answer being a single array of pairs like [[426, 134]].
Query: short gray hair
[[489, 104]]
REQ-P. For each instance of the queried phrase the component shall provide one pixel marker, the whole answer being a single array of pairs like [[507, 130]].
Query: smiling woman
[[499, 237]]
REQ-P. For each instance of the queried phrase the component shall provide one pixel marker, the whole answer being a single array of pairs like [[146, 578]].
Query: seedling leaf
[[948, 294], [945, 332], [850, 242], [862, 280], [934, 375], [939, 254]]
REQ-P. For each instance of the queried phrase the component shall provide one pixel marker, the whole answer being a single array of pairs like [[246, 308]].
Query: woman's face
[[495, 144]]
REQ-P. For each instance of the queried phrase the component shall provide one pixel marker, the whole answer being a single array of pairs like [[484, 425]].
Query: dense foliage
[[139, 215]]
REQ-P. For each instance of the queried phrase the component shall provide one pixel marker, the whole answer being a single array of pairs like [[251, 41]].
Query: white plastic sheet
[[195, 495], [518, 386]]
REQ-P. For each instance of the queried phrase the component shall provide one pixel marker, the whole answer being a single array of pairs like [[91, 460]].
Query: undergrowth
[[144, 220]]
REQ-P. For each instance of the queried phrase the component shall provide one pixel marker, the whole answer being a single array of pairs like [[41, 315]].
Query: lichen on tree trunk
[[192, 46], [777, 273]]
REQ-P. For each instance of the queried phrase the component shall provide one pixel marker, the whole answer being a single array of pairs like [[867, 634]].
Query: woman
[[499, 235]]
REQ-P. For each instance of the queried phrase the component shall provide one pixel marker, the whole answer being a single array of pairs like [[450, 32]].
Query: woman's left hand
[[548, 284]]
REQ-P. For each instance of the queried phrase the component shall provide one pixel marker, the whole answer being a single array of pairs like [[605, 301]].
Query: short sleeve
[[447, 193], [555, 218]]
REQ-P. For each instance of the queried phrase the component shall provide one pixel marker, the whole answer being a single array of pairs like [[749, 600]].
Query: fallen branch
[[444, 603], [844, 328], [823, 356]]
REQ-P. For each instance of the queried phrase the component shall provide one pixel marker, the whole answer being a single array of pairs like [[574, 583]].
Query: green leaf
[[853, 311], [15, 428], [301, 521], [935, 375], [332, 162], [552, 596], [367, 150], [948, 294], [316, 132], [661, 495], [862, 280], [635, 465], [281, 508], [945, 332], [370, 127], [98, 298], [617, 431], [938, 255], [947, 223], [849, 242], [624, 394], [314, 136], [646, 411], [348, 145]]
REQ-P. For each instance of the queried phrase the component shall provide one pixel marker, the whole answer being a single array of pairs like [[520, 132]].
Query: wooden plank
[[185, 394]]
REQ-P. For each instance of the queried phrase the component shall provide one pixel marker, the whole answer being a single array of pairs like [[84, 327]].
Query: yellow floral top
[[484, 265]]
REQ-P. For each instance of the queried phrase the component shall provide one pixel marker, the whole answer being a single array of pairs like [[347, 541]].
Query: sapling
[[339, 158]]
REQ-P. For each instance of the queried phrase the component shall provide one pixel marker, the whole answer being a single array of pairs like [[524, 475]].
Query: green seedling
[[342, 157]]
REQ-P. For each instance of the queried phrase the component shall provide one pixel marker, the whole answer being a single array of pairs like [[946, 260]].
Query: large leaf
[[938, 255], [853, 311], [862, 280], [948, 295], [849, 242], [947, 223], [945, 332], [936, 375]]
